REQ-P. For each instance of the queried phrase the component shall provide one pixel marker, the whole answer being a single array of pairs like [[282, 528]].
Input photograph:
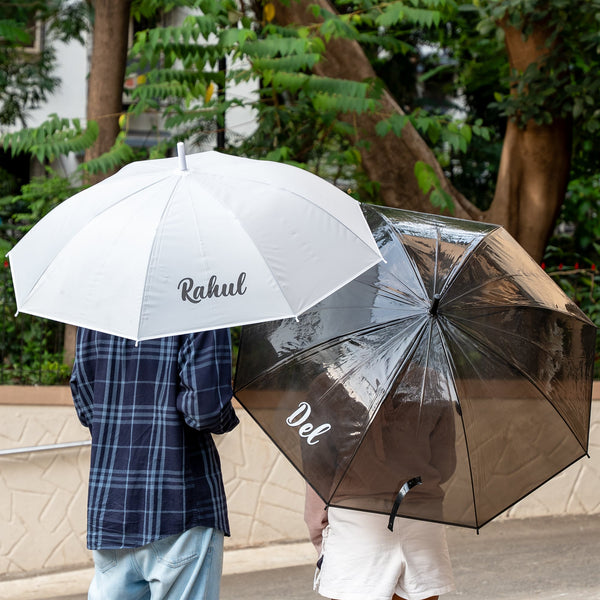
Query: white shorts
[[364, 560]]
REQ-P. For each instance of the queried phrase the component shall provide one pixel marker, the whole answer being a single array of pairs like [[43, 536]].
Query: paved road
[[549, 558]]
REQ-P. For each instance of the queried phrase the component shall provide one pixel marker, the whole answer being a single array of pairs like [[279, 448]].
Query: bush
[[31, 348], [573, 255]]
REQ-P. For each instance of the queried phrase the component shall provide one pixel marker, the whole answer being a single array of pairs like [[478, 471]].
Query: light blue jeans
[[187, 566]]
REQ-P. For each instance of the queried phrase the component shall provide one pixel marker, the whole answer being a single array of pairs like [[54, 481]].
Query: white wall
[[69, 100]]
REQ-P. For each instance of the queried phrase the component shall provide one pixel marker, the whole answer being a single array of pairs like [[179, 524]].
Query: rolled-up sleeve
[[205, 395]]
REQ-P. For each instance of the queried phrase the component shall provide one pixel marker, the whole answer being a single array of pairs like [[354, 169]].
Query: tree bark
[[110, 39], [535, 160], [532, 181]]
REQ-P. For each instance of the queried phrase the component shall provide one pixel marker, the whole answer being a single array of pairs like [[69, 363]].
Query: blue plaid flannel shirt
[[151, 410]]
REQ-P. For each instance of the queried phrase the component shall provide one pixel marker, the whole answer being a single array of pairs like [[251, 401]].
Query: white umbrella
[[183, 244]]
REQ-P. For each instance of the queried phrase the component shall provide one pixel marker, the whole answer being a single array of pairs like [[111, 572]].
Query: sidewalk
[[550, 558]]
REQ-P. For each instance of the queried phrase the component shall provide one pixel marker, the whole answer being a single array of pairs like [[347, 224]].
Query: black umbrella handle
[[411, 483]]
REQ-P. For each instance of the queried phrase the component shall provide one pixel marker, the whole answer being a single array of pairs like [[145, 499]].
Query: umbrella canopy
[[456, 375], [184, 244]]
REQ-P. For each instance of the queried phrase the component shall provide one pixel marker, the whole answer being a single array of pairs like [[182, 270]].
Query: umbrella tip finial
[[181, 155], [433, 309]]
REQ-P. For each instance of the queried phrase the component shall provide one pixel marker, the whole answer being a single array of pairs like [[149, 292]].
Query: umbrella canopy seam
[[493, 351], [450, 363], [154, 243], [324, 344], [394, 233], [34, 287]]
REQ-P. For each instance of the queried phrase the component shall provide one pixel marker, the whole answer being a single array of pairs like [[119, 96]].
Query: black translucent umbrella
[[457, 365]]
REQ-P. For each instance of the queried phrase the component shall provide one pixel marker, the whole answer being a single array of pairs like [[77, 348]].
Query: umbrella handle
[[411, 483]]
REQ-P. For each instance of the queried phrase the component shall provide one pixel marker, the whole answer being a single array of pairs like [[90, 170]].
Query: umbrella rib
[[580, 317], [327, 294], [49, 262], [344, 226], [393, 379], [478, 287], [332, 341], [448, 355], [426, 369], [293, 312], [483, 341], [524, 373], [154, 243], [319, 207], [469, 252], [436, 263], [534, 489], [322, 208], [516, 335], [241, 224], [396, 234], [391, 293]]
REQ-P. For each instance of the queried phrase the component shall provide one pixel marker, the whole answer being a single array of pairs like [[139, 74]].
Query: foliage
[[120, 154], [53, 138], [26, 72], [564, 84], [37, 198], [461, 69], [429, 183], [296, 110], [443, 61], [459, 73], [302, 118], [31, 348], [573, 255]]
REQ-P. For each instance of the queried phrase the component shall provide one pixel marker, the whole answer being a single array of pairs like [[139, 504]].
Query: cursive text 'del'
[[306, 430]]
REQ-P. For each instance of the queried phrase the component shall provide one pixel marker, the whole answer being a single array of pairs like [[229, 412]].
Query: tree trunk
[[532, 181], [107, 72], [105, 92], [535, 161]]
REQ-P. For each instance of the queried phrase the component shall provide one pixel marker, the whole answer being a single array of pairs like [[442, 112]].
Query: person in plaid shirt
[[157, 510]]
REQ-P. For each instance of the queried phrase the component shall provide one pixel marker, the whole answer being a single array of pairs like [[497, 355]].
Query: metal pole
[[27, 449], [221, 95]]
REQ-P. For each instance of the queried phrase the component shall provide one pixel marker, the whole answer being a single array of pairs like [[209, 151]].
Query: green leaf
[[13, 32], [382, 128], [442, 200], [392, 14], [120, 154], [426, 177]]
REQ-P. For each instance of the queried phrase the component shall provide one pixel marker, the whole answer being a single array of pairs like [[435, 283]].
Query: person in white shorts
[[361, 559], [410, 440]]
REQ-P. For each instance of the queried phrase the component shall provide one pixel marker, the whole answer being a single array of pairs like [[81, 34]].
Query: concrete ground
[[547, 558], [550, 558]]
